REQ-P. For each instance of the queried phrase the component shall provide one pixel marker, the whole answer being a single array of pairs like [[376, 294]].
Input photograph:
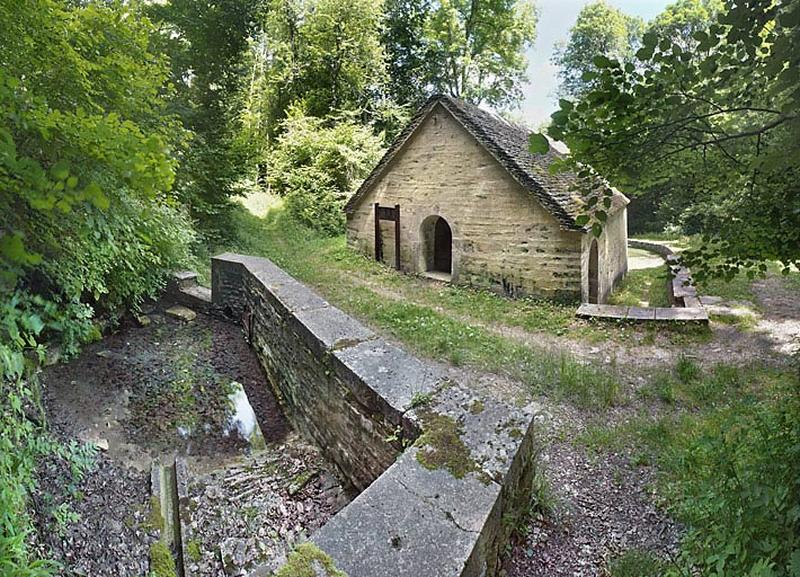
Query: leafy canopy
[[477, 49], [717, 124]]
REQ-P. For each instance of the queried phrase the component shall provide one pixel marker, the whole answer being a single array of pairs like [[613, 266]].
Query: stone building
[[477, 208]]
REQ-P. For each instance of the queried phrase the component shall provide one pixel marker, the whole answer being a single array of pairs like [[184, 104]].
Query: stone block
[[181, 312], [404, 531], [681, 314], [641, 314], [588, 310], [329, 328], [380, 373]]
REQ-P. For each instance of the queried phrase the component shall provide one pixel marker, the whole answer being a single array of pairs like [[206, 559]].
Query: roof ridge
[[507, 142]]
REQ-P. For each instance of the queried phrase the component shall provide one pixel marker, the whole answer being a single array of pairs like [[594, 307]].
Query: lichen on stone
[[161, 562], [476, 407], [441, 446], [308, 560]]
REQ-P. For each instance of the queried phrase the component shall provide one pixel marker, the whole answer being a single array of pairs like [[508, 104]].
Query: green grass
[[637, 563], [725, 444], [644, 287], [442, 323], [738, 288]]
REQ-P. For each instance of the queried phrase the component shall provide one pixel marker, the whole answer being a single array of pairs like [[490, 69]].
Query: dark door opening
[[594, 274], [442, 247]]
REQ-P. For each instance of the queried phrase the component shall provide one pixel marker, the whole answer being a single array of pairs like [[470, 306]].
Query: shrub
[[733, 477], [317, 163]]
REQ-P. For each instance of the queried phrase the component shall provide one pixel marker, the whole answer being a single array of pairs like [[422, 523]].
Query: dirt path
[[640, 351]]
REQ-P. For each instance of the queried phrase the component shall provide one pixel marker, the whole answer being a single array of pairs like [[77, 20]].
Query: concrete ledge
[[611, 312], [363, 401]]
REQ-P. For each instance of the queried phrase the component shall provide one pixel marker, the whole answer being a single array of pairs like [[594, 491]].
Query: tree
[[317, 163], [88, 223], [717, 125], [476, 50], [404, 43], [599, 30], [325, 54], [206, 42], [683, 19]]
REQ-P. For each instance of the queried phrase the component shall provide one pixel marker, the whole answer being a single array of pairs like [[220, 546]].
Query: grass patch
[[637, 563], [727, 449], [328, 265], [193, 551], [644, 287], [161, 562], [738, 288], [742, 321]]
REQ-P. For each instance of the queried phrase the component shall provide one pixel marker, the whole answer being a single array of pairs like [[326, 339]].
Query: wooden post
[[397, 236], [378, 243]]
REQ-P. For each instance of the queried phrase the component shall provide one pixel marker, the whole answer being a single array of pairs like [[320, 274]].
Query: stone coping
[[686, 306], [442, 507], [625, 313]]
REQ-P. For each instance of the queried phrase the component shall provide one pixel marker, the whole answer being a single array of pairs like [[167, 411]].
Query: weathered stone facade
[[503, 238]]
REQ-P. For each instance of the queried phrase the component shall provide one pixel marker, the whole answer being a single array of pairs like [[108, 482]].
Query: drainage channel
[[168, 484]]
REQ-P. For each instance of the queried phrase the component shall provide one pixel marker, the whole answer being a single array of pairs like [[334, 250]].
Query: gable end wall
[[503, 239]]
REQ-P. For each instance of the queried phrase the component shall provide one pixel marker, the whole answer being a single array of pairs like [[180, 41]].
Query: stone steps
[[184, 290]]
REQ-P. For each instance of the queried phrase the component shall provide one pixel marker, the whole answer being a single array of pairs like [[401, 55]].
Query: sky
[[556, 17]]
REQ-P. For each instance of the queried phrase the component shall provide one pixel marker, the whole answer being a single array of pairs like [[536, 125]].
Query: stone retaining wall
[[441, 507]]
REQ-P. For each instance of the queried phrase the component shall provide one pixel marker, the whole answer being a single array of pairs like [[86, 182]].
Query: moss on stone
[[307, 560], [193, 550], [161, 562], [476, 407], [420, 399], [515, 433], [441, 446], [155, 520]]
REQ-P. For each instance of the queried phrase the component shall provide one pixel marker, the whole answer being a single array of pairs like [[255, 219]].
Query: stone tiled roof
[[508, 144]]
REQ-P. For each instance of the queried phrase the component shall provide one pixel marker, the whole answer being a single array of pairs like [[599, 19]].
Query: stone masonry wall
[[503, 239], [296, 335], [349, 391], [612, 252]]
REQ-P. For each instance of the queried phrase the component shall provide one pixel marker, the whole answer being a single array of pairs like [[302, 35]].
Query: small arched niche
[[594, 273]]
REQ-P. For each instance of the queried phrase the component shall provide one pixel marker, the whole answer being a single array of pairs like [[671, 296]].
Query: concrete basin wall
[[421, 511]]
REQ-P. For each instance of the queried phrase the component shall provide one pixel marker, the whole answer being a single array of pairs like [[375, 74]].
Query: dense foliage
[[734, 478], [715, 128], [317, 163], [205, 42], [87, 222]]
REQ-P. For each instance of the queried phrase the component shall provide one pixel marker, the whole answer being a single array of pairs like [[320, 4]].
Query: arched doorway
[[594, 273], [437, 247], [442, 247]]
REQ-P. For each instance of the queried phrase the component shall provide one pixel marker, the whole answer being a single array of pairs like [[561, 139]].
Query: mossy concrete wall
[[421, 513], [503, 239], [306, 347]]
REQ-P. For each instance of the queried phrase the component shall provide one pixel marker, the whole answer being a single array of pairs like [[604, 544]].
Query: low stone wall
[[685, 304], [440, 507]]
